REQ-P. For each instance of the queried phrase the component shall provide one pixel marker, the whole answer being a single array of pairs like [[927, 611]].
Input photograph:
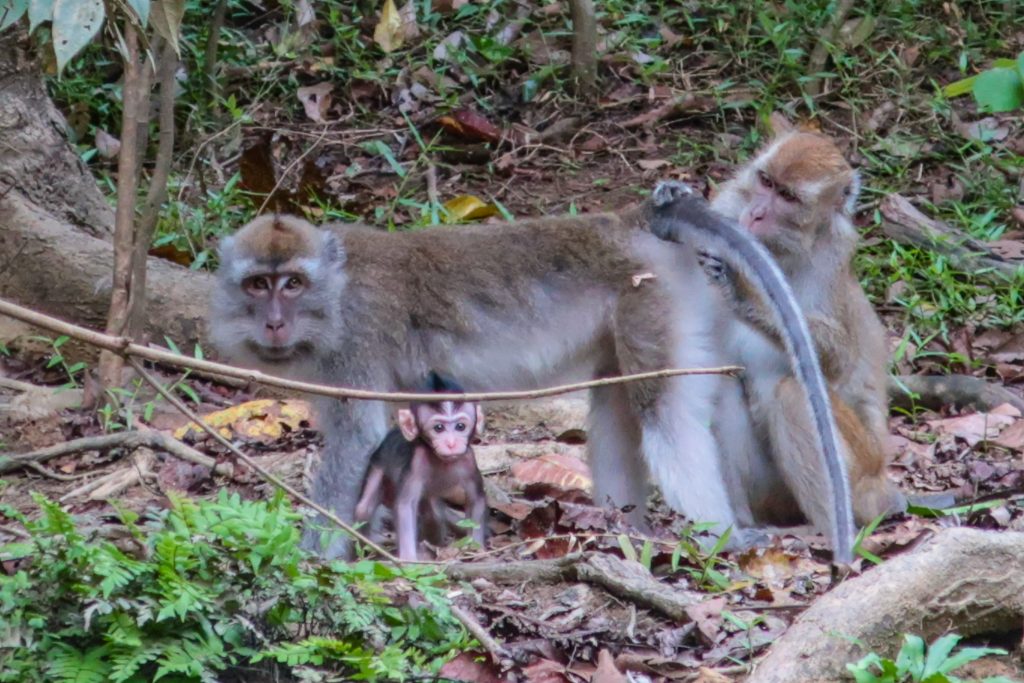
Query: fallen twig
[[492, 646], [625, 578], [677, 105], [130, 440], [126, 348]]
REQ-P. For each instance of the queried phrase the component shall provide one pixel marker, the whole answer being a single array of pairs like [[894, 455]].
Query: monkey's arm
[[748, 304]]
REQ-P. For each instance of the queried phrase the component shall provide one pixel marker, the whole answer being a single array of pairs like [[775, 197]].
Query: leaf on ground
[[653, 164], [263, 420], [1012, 437], [410, 29], [770, 564], [107, 146], [470, 124], [707, 615], [706, 675], [1011, 351], [988, 129], [972, 428], [471, 667], [467, 207], [389, 33], [606, 671], [1008, 249], [561, 471], [545, 671], [316, 100]]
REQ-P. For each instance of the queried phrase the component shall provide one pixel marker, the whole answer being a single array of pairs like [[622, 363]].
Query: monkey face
[[277, 293]]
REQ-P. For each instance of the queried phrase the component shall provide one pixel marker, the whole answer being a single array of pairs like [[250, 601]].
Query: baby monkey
[[419, 462]]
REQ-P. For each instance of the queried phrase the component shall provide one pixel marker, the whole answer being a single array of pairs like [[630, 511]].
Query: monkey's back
[[502, 286]]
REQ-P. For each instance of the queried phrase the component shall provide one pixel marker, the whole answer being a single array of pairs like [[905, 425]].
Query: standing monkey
[[797, 197], [428, 454], [516, 305]]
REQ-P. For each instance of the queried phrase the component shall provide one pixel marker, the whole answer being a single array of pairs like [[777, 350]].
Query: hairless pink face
[[447, 427]]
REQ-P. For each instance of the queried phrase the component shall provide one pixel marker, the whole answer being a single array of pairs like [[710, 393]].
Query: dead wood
[[962, 580], [963, 391], [625, 579], [674, 107], [906, 225], [129, 440]]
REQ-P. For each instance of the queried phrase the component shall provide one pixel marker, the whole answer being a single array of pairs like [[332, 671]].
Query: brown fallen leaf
[[707, 615], [545, 671], [972, 428], [470, 124], [1008, 249], [561, 471], [107, 146], [1012, 437], [606, 671], [316, 100], [472, 667]]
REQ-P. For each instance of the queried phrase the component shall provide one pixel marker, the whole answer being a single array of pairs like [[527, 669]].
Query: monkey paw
[[668, 191], [715, 268]]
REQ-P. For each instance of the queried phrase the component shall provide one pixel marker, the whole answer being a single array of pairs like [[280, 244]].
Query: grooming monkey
[[428, 454], [797, 197], [517, 305]]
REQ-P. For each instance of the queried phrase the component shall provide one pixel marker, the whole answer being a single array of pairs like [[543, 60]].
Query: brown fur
[[813, 242]]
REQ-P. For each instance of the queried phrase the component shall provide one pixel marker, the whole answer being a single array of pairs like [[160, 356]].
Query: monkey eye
[[294, 282], [257, 284], [438, 428], [460, 426], [765, 180], [787, 194]]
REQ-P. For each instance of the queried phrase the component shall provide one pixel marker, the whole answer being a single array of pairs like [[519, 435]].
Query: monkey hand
[[717, 270], [668, 191]]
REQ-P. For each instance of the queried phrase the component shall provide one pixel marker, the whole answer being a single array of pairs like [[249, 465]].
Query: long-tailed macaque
[[511, 306], [797, 197], [427, 455]]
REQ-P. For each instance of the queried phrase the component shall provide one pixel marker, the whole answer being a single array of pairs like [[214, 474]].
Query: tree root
[[935, 391], [962, 580]]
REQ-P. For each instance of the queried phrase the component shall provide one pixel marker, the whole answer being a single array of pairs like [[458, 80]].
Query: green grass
[[752, 55]]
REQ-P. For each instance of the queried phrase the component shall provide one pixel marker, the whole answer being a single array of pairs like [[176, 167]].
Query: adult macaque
[[426, 456], [797, 197], [516, 306]]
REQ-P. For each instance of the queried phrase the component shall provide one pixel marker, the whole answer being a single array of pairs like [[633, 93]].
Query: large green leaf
[[38, 12], [11, 11], [999, 89], [75, 22]]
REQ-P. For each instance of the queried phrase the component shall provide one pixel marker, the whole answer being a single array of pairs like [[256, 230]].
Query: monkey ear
[[851, 194], [478, 428], [332, 250], [407, 423], [779, 124]]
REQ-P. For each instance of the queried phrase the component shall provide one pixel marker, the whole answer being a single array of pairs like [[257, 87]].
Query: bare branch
[[124, 347]]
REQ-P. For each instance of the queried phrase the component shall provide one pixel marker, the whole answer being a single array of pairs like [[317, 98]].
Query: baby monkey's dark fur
[[411, 477]]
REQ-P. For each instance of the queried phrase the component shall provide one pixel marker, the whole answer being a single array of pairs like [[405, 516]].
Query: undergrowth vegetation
[[207, 587], [883, 98]]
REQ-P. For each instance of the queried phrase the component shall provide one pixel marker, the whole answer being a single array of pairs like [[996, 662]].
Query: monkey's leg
[[371, 496], [674, 414], [613, 445], [353, 429], [794, 450], [434, 520], [747, 472], [873, 492]]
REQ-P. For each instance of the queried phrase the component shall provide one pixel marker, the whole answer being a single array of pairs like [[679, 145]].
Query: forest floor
[[494, 134]]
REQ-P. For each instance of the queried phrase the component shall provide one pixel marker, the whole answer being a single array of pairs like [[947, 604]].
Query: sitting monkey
[[426, 456]]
